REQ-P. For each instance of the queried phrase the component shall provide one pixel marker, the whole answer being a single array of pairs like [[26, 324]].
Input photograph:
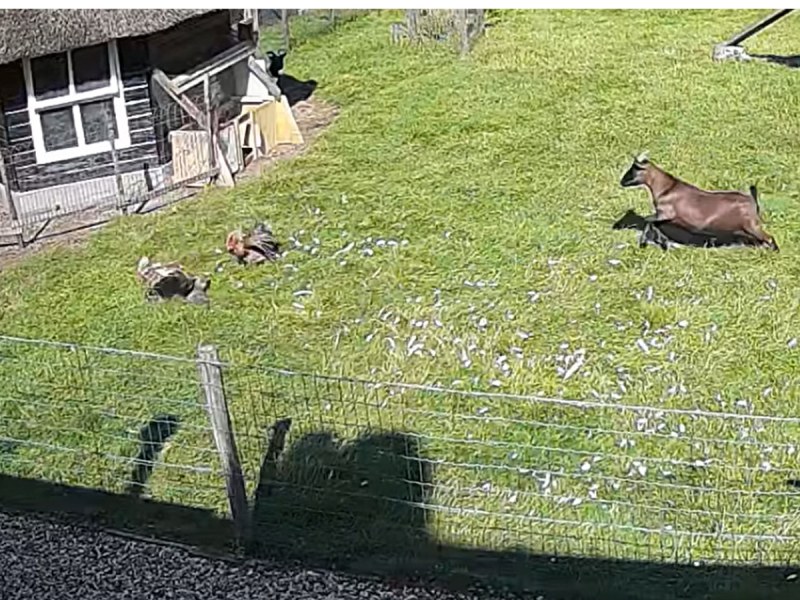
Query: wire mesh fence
[[290, 28], [363, 467], [460, 28], [122, 422], [110, 165], [337, 467]]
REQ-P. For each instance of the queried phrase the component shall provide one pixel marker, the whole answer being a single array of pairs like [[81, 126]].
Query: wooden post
[[220, 159], [462, 25], [8, 197], [265, 78], [480, 22], [285, 27], [210, 372], [411, 24], [112, 135], [212, 151]]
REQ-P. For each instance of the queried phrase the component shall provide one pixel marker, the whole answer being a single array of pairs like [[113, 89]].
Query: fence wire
[[369, 467], [153, 163], [122, 422], [291, 28], [338, 467], [461, 28]]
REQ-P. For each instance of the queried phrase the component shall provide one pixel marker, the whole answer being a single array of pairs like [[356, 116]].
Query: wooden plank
[[225, 172], [269, 82], [190, 107], [229, 140], [210, 373], [190, 153], [221, 62], [207, 100]]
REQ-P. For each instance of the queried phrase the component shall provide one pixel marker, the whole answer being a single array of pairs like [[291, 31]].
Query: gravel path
[[42, 560]]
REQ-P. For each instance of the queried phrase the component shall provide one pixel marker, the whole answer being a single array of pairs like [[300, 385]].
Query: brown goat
[[688, 206]]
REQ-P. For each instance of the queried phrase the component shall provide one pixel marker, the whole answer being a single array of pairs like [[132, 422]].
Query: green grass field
[[453, 209]]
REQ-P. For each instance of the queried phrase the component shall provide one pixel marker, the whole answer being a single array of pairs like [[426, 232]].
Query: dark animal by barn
[[668, 235], [276, 61], [695, 209], [291, 87]]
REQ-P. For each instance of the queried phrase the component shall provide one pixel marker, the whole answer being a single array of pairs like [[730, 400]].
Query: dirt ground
[[312, 117]]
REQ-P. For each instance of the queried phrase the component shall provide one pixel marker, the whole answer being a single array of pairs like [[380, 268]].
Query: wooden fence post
[[285, 28], [122, 204], [411, 24], [212, 151], [462, 24], [480, 22], [8, 197], [210, 372], [112, 140]]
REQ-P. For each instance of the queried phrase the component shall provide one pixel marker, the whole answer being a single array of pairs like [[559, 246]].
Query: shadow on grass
[[334, 502], [152, 438], [358, 506], [793, 61], [169, 522], [294, 89]]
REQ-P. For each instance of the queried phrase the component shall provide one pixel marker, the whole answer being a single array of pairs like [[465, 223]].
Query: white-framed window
[[75, 101]]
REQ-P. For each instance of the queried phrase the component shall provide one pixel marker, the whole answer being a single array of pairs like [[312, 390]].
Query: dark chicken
[[254, 246], [171, 281]]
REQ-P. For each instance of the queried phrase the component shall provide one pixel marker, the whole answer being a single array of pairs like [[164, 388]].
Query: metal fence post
[[210, 372]]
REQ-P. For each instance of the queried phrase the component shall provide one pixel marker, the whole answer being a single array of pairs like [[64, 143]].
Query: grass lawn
[[453, 209]]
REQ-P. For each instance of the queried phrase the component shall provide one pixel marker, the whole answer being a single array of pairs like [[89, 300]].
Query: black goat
[[276, 61], [291, 87], [667, 235]]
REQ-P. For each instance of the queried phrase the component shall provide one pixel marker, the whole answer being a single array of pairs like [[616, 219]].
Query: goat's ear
[[270, 54], [643, 158], [282, 53]]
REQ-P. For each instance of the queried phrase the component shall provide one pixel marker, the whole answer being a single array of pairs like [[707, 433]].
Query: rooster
[[170, 280], [255, 246]]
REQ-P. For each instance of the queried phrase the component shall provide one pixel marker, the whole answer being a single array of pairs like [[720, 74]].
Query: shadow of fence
[[336, 501], [419, 561], [411, 483]]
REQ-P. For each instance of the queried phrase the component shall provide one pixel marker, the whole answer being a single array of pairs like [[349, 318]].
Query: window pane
[[58, 129], [90, 68], [50, 77], [98, 119]]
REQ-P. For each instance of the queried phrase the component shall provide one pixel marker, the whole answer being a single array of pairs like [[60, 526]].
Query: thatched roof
[[31, 33]]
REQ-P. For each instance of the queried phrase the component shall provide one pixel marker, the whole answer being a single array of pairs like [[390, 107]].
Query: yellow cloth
[[277, 124]]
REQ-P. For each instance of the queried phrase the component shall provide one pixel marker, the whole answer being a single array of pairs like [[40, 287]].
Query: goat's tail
[[754, 194]]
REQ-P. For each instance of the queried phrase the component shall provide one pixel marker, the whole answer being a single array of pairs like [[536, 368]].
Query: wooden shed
[[90, 96]]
